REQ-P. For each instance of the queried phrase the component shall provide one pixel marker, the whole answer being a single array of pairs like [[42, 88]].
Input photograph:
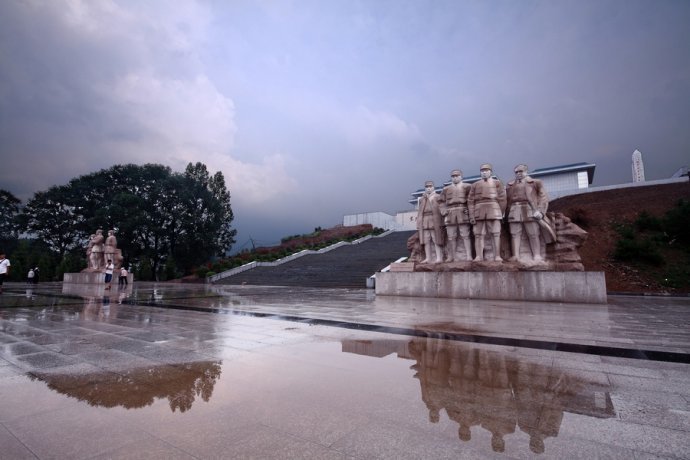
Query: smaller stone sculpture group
[[102, 249], [446, 220]]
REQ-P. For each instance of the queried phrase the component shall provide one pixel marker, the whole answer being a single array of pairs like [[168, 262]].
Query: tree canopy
[[161, 218], [9, 212], [10, 222]]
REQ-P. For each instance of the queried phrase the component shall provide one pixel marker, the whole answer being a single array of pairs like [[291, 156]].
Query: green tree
[[216, 185], [226, 234], [155, 212], [10, 224], [31, 253], [53, 218], [198, 172]]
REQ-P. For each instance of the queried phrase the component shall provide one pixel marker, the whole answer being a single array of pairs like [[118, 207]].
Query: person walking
[[109, 273], [30, 276], [122, 280], [4, 268]]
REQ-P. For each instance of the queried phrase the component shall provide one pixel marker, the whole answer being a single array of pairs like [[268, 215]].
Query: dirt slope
[[597, 212]]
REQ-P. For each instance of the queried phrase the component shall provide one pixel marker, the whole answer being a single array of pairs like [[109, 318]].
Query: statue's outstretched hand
[[538, 215]]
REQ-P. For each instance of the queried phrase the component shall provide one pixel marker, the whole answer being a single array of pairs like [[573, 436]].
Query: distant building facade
[[558, 180], [637, 167]]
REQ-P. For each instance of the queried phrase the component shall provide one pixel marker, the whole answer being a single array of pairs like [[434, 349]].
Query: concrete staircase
[[347, 266]]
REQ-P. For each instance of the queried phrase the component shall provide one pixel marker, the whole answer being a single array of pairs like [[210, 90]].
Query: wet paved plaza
[[176, 371]]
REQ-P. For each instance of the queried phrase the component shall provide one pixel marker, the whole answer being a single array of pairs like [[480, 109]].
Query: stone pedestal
[[537, 286], [92, 278], [403, 267]]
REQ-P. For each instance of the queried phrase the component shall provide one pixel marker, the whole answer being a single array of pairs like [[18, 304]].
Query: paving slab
[[176, 371]]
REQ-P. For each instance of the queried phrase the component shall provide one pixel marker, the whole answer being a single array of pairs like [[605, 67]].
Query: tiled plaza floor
[[176, 371]]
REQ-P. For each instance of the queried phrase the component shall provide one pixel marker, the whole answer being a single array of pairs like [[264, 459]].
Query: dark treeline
[[166, 223]]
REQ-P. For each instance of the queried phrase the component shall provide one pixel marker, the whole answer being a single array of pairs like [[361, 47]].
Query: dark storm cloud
[[314, 110]]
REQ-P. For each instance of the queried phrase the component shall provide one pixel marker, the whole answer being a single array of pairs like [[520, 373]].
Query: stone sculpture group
[[449, 222], [102, 249]]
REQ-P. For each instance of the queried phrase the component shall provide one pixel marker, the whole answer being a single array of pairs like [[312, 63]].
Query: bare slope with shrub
[[639, 236]]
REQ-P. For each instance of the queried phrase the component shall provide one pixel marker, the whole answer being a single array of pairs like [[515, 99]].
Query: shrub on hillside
[[646, 222], [676, 223], [642, 240], [638, 250]]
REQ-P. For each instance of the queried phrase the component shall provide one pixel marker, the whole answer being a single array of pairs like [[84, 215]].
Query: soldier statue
[[453, 201], [487, 203], [430, 224]]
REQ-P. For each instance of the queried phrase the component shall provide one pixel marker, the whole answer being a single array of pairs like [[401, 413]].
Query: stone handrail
[[371, 281], [304, 252]]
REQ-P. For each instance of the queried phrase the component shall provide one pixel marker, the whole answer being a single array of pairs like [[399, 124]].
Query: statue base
[[92, 278], [534, 286]]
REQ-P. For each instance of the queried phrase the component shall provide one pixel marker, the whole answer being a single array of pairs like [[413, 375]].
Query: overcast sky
[[316, 109]]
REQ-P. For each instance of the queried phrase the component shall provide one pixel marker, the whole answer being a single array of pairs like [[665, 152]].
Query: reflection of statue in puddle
[[96, 298], [137, 388], [493, 390]]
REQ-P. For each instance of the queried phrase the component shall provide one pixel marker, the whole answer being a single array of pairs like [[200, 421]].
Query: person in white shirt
[[4, 268], [122, 280], [109, 273]]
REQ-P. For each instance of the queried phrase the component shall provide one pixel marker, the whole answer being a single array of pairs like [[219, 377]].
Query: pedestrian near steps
[[4, 268]]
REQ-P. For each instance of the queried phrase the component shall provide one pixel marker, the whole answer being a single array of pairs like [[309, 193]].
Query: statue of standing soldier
[[487, 203], [527, 205], [453, 201], [430, 224]]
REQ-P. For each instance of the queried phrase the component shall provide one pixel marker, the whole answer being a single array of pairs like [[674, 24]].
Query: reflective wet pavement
[[173, 371]]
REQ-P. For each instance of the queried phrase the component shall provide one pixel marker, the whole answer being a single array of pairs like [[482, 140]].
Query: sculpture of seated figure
[[486, 203], [527, 204], [453, 201], [429, 224]]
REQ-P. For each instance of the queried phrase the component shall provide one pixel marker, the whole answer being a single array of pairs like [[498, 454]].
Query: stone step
[[347, 266]]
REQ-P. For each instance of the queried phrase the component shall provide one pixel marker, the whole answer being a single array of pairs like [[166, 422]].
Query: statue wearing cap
[[453, 206], [527, 204], [487, 203], [430, 224]]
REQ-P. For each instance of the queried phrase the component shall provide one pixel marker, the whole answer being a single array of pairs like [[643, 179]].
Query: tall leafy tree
[[53, 217], [157, 214], [216, 185], [198, 173], [10, 225], [226, 234]]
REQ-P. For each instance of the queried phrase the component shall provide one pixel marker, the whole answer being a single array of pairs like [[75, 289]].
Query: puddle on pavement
[[180, 385], [487, 395], [493, 390]]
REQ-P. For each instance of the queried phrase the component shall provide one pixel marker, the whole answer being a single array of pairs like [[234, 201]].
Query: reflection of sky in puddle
[[493, 390]]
